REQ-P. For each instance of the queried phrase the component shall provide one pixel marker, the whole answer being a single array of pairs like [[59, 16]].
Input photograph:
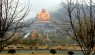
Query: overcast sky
[[49, 5], [37, 5]]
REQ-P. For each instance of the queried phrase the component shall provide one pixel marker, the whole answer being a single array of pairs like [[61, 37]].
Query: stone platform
[[45, 47]]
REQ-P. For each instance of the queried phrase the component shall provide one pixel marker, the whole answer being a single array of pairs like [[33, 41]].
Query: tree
[[12, 13], [82, 22]]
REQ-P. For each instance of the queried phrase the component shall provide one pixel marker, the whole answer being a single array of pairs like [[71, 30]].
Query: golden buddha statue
[[34, 34], [43, 16]]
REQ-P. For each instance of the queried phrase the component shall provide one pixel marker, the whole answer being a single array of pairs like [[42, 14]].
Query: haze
[[49, 5]]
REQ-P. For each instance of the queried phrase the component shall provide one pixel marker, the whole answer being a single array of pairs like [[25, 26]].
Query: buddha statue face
[[43, 10]]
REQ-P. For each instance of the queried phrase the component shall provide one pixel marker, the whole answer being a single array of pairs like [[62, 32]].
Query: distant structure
[[43, 16], [47, 40], [34, 34], [43, 25]]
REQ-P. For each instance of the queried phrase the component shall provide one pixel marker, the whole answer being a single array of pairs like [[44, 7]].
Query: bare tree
[[81, 17], [12, 14]]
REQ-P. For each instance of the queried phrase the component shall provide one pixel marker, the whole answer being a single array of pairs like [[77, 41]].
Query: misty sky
[[49, 5], [37, 5]]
